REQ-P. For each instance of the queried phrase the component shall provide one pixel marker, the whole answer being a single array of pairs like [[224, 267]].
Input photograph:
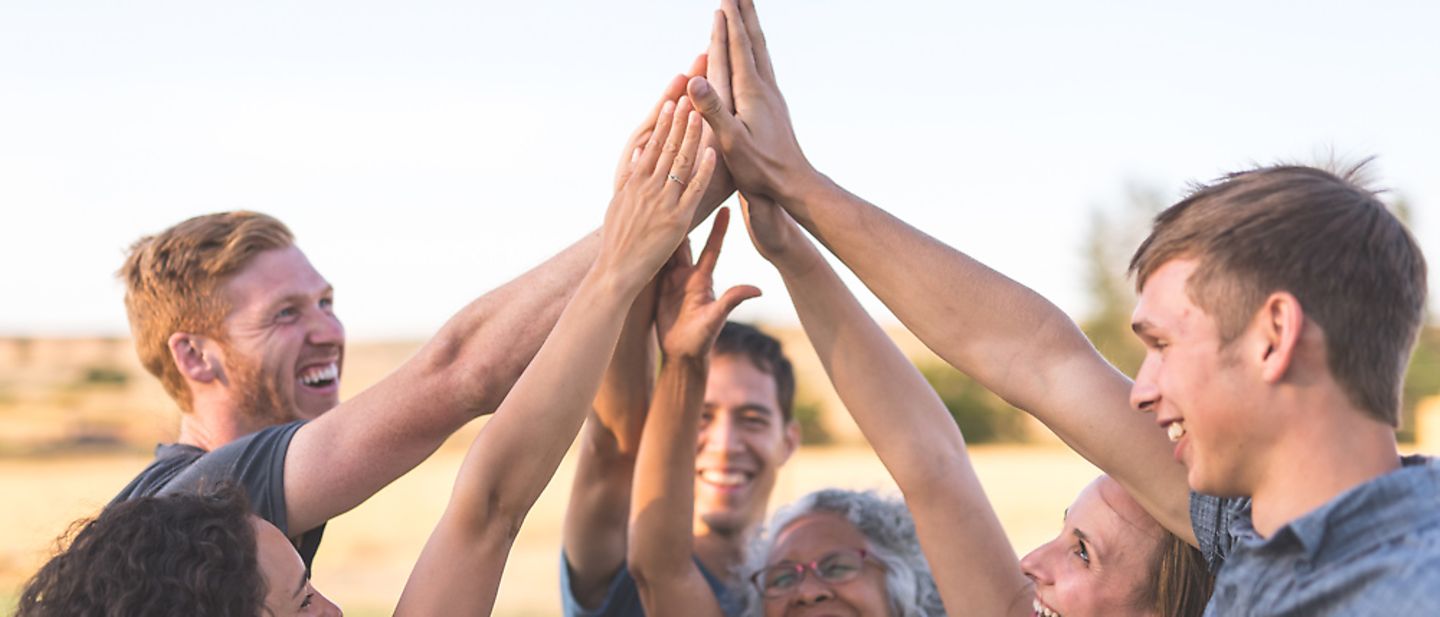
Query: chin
[[724, 522]]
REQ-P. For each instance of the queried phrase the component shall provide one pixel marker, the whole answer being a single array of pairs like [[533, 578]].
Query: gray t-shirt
[[255, 463], [1373, 550]]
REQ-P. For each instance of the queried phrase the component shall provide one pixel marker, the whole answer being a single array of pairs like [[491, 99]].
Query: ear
[[1280, 322], [792, 438], [196, 356]]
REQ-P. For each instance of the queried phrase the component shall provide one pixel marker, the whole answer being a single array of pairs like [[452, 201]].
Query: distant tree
[[1113, 235], [983, 417]]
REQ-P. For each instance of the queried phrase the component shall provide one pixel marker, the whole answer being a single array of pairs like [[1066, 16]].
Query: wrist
[[687, 363], [606, 282], [797, 261], [804, 187]]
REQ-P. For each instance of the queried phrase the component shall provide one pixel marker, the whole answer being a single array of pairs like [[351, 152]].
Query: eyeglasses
[[783, 578]]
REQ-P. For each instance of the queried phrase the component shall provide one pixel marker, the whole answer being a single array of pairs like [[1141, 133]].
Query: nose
[[1144, 394], [326, 329], [1036, 564], [327, 608], [812, 590], [722, 434]]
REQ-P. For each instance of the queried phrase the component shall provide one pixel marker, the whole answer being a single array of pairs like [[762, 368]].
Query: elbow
[[463, 380], [491, 518]]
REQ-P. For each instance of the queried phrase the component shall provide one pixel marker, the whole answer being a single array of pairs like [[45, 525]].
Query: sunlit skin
[[282, 325], [743, 436], [1099, 563], [810, 538], [288, 589], [1188, 378]]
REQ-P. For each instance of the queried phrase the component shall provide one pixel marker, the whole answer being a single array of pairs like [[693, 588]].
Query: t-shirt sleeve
[[1211, 518], [619, 595], [255, 462], [622, 598]]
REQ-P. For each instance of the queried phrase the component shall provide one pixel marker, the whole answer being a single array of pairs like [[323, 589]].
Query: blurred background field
[[80, 417], [368, 552]]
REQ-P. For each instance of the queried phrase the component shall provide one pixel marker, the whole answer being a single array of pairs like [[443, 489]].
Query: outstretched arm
[[515, 454], [661, 555], [599, 509], [1007, 337], [342, 458], [902, 417]]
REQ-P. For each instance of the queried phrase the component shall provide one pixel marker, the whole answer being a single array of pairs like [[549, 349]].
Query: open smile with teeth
[[321, 376], [1175, 430], [723, 478], [1043, 611]]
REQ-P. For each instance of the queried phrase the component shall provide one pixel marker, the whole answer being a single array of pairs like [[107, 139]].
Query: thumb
[[707, 102], [734, 296]]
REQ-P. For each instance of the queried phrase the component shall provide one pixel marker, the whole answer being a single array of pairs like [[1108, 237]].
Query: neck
[[1325, 453], [211, 426], [721, 552]]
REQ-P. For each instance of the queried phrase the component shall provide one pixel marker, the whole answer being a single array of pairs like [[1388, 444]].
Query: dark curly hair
[[185, 554]]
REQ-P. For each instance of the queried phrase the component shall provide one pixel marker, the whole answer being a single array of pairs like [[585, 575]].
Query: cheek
[[876, 598]]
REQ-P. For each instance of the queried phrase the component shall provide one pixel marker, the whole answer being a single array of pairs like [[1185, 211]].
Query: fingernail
[[683, 98], [702, 87], [668, 107]]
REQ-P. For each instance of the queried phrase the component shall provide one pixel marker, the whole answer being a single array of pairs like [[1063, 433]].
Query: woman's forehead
[[817, 533], [1106, 511]]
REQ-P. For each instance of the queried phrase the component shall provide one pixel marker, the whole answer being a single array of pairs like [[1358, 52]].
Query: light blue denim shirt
[[1373, 550]]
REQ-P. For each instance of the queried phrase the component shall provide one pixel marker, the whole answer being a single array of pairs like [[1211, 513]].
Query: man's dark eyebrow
[[756, 407]]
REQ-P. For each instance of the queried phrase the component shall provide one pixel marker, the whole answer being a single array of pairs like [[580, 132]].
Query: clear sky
[[424, 152]]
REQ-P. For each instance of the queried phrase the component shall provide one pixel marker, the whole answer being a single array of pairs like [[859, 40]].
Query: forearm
[[916, 439], [662, 502], [599, 507], [478, 355], [517, 452], [1008, 338]]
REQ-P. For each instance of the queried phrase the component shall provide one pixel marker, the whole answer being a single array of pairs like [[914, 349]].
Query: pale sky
[[425, 152]]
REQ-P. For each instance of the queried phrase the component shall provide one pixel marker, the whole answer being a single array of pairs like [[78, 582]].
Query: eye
[[327, 304], [756, 420], [781, 577], [836, 569], [287, 313], [309, 599], [1082, 551]]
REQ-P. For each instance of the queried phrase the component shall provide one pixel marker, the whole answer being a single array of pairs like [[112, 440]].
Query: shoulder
[[622, 597], [170, 460], [255, 462]]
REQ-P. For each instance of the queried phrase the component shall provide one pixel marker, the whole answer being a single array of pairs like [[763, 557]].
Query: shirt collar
[[1389, 504]]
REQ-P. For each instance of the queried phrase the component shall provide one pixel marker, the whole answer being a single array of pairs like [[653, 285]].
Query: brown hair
[[171, 280], [181, 554], [764, 352], [1319, 236], [1180, 581]]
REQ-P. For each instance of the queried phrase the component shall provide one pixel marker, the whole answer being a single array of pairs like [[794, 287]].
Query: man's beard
[[260, 398]]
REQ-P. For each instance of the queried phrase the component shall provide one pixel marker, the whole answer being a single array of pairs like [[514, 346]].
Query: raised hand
[[635, 144], [657, 199], [756, 137], [689, 317]]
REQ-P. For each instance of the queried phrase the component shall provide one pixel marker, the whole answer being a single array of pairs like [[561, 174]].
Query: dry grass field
[[368, 552]]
